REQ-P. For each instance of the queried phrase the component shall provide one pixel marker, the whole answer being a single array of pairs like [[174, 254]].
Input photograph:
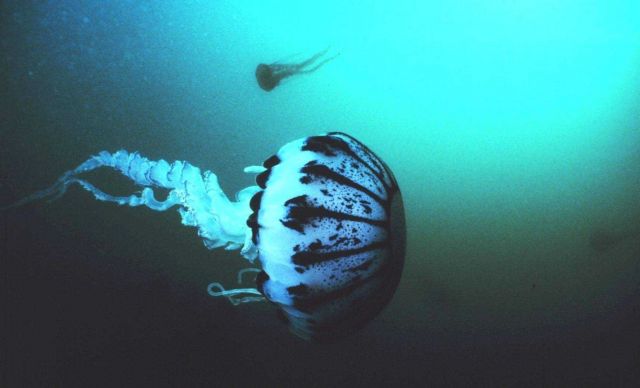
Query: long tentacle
[[313, 58], [319, 65], [58, 189], [202, 202]]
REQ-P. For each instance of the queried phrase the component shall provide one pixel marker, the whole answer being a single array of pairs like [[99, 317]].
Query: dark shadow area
[[69, 322]]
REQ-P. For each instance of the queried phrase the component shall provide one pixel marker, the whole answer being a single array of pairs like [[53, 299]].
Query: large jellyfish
[[269, 76], [325, 223]]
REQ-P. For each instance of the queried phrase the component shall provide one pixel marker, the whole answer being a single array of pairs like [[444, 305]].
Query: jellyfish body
[[325, 221], [339, 210], [270, 76], [267, 79]]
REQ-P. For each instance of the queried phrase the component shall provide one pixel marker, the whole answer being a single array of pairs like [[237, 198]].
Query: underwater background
[[513, 129]]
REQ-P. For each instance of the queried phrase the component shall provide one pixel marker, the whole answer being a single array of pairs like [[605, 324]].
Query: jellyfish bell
[[265, 77], [330, 234], [325, 223]]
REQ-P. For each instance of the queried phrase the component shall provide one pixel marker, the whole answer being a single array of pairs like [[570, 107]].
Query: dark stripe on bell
[[327, 144], [262, 178], [361, 267], [344, 147], [301, 215], [379, 164], [299, 290], [322, 145], [324, 171], [252, 222], [301, 211], [307, 258], [309, 303], [272, 161], [293, 224], [254, 204]]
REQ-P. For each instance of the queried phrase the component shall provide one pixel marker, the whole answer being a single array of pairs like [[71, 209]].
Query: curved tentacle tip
[[254, 169], [247, 270], [235, 296]]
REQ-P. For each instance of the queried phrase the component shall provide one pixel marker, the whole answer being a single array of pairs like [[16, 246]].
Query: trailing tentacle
[[201, 201]]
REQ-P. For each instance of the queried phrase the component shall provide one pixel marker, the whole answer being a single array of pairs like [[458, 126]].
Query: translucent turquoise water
[[513, 129]]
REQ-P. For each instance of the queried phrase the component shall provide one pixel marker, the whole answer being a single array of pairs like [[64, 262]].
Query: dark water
[[513, 131]]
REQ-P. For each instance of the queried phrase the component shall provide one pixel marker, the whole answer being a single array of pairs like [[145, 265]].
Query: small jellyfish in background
[[325, 223], [269, 76]]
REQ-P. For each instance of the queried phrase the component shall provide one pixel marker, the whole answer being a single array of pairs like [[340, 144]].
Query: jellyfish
[[324, 227], [269, 76]]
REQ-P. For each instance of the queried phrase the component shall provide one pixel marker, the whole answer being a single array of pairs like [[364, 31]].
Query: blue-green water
[[513, 129]]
